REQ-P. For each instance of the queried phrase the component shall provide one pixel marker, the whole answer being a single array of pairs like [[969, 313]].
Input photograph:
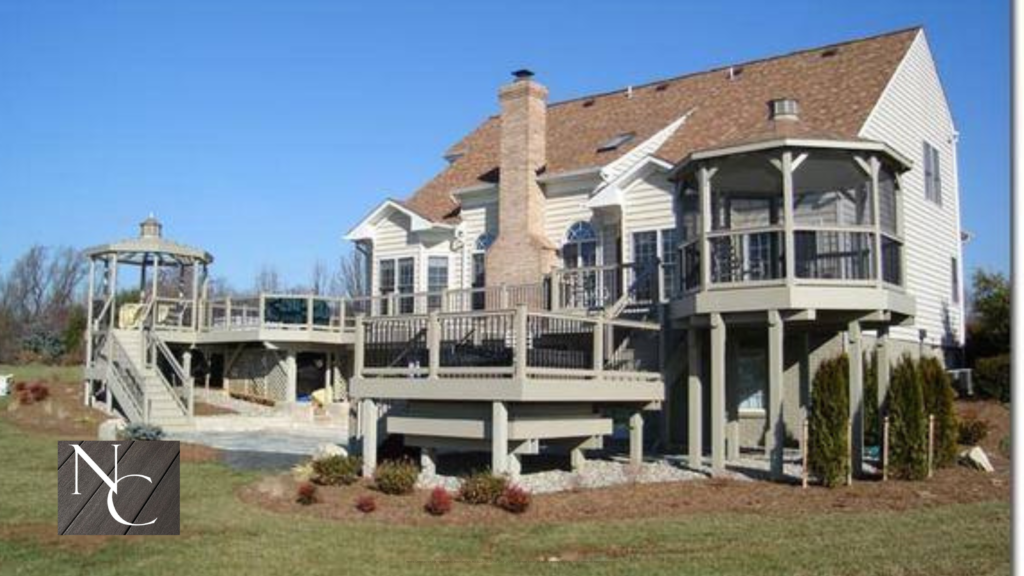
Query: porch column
[[112, 287], [787, 216], [717, 393], [856, 357], [196, 300], [499, 437], [291, 370], [695, 397], [775, 438], [636, 438], [704, 175], [368, 419]]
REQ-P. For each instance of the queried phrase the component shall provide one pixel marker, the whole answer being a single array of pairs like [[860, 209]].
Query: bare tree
[[37, 298], [319, 279], [268, 280], [350, 278]]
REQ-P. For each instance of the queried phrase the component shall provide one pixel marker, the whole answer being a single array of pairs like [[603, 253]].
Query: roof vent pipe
[[783, 109]]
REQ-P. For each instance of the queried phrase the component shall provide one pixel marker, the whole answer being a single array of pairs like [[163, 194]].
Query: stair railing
[[122, 371], [153, 350]]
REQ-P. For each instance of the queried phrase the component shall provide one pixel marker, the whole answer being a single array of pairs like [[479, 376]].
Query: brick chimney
[[521, 254]]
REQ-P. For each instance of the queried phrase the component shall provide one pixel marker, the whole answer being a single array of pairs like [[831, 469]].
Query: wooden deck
[[136, 500], [507, 355]]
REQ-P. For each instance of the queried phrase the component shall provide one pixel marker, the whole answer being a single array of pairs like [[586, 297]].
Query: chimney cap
[[523, 74]]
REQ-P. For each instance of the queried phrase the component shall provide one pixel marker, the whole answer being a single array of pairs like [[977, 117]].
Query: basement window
[[616, 141]]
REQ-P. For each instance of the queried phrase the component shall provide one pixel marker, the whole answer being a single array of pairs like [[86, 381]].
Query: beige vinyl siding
[[564, 207], [913, 110], [478, 216], [649, 205]]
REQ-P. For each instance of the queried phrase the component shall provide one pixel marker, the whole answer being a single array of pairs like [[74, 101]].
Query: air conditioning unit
[[962, 381]]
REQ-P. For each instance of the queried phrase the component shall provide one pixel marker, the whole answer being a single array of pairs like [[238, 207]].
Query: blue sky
[[263, 131]]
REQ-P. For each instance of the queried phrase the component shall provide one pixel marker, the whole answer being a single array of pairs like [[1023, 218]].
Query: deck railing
[[599, 288], [505, 344], [822, 255]]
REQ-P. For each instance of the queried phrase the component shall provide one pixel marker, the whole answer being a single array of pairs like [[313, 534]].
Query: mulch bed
[[956, 485]]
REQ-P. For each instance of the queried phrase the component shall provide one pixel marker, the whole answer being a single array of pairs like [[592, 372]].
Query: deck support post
[[577, 458], [717, 393], [499, 438], [856, 362], [368, 419], [695, 397], [292, 372], [186, 366], [776, 437], [433, 345], [636, 438], [883, 355], [328, 378]]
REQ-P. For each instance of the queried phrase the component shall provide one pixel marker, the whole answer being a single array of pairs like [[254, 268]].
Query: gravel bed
[[596, 473]]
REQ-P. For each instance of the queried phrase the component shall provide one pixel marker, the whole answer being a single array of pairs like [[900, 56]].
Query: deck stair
[[141, 386]]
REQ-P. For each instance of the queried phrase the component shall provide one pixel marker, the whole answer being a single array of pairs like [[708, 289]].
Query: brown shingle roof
[[836, 93]]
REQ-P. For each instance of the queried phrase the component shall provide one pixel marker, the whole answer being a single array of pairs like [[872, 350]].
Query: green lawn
[[31, 372], [221, 535]]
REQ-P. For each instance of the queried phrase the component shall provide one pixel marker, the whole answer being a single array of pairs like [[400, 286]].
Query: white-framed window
[[385, 283], [396, 275], [658, 247], [580, 247], [437, 280], [932, 174], [479, 278]]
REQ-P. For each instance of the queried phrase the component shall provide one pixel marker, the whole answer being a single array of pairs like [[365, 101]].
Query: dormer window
[[616, 141], [784, 109]]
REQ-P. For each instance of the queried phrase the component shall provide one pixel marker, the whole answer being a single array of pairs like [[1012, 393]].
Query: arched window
[[580, 247], [483, 242]]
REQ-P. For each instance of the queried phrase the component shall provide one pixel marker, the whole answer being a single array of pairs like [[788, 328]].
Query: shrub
[[336, 470], [19, 386], [38, 391], [482, 488], [971, 430], [514, 499], [830, 412], [992, 377], [396, 476], [306, 494], [439, 503], [908, 428], [938, 401], [142, 432], [366, 504]]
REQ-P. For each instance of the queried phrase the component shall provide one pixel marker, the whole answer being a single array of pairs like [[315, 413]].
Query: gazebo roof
[[149, 245]]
